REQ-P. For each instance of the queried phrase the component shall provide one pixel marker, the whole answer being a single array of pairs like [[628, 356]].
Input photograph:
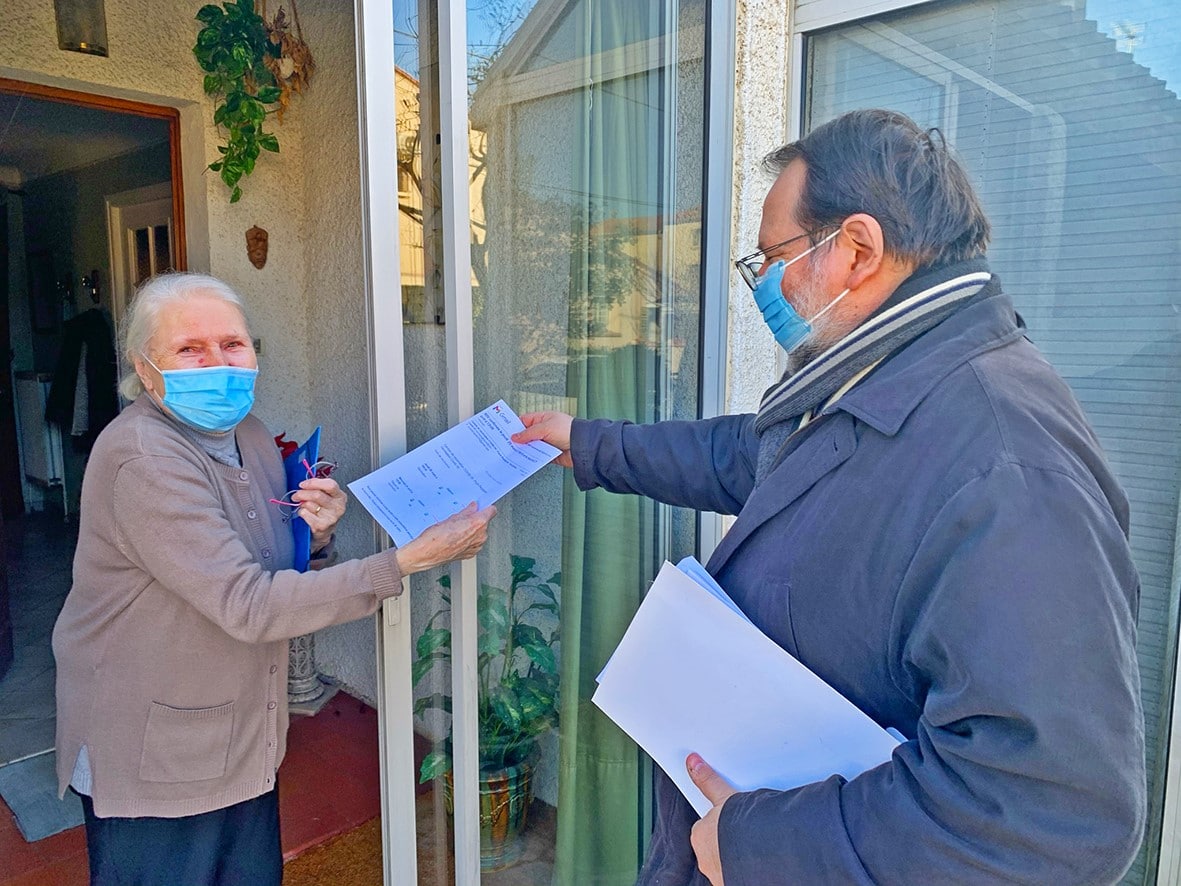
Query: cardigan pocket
[[186, 744]]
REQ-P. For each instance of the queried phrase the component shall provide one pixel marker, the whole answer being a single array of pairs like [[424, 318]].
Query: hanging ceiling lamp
[[81, 26]]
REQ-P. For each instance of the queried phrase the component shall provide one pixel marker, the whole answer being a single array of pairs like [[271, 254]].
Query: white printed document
[[473, 461], [694, 674]]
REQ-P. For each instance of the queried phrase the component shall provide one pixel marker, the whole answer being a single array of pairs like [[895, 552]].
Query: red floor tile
[[329, 783]]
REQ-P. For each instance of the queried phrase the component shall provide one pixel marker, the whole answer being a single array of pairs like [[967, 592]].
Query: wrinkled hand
[[549, 427], [704, 836], [321, 505], [459, 537]]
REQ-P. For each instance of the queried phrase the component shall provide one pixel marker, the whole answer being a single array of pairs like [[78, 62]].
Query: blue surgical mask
[[211, 398], [785, 323]]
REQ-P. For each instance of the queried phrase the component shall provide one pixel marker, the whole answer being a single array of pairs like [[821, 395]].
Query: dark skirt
[[235, 846]]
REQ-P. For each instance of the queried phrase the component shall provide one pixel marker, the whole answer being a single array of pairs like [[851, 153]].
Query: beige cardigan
[[172, 645]]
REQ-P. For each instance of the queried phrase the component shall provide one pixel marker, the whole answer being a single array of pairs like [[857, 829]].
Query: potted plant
[[518, 679]]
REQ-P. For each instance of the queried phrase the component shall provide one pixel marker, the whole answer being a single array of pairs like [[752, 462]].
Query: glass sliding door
[[1068, 119], [586, 182], [582, 141]]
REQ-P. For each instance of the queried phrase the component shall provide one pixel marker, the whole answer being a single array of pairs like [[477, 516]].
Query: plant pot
[[505, 795]]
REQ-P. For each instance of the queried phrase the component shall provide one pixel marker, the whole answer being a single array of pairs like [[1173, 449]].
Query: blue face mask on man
[[785, 323], [211, 398]]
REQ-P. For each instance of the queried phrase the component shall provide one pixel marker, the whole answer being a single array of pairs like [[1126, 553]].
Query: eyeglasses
[[320, 469], [748, 267]]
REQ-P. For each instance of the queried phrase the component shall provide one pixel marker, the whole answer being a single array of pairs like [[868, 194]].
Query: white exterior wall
[[335, 306], [762, 81]]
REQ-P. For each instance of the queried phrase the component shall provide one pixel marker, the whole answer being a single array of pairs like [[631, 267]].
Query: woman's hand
[[549, 427], [321, 505], [459, 537]]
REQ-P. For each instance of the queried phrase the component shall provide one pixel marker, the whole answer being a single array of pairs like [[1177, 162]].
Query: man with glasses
[[926, 520]]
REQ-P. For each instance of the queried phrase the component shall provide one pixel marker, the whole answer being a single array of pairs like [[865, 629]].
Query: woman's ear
[[144, 371]]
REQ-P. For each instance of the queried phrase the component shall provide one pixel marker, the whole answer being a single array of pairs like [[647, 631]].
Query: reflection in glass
[[586, 156], [1065, 123]]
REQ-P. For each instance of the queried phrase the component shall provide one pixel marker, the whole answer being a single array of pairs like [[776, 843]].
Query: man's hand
[[705, 833], [550, 427]]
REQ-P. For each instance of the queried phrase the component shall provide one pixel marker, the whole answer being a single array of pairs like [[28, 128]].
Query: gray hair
[[143, 318], [881, 163]]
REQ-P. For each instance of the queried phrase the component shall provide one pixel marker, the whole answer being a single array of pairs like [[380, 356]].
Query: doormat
[[29, 787]]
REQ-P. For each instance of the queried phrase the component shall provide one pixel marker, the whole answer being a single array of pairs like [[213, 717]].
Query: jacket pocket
[[186, 744]]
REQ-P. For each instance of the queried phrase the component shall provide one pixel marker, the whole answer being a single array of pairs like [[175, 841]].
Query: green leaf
[[444, 580], [522, 568], [547, 591], [210, 14], [542, 656], [269, 142], [269, 95], [504, 703], [491, 643], [207, 38], [219, 116], [492, 614], [236, 195], [432, 640], [555, 579], [215, 167], [212, 84], [434, 765], [422, 666]]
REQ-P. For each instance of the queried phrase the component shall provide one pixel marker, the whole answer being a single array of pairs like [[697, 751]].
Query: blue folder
[[297, 472]]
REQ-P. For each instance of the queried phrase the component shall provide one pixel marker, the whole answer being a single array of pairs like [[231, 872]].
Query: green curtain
[[608, 540]]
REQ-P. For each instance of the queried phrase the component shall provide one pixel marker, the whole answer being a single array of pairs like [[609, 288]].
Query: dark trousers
[[235, 846]]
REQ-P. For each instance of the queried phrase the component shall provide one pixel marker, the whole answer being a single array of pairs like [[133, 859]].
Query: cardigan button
[[243, 476], [271, 706], [266, 553], [274, 668], [251, 514]]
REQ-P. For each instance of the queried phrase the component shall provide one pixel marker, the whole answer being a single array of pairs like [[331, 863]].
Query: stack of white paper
[[693, 674]]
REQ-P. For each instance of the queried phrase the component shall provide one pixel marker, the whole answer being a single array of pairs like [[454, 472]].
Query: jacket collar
[[888, 395]]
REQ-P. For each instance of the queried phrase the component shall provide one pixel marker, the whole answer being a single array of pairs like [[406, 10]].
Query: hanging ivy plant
[[233, 49]]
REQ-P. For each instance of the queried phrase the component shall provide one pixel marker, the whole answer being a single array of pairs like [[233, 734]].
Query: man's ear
[[862, 234]]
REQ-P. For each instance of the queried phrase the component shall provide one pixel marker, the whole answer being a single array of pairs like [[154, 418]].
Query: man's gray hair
[[143, 318], [881, 163]]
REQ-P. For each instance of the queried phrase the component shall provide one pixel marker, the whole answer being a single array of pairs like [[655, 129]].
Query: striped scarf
[[906, 315]]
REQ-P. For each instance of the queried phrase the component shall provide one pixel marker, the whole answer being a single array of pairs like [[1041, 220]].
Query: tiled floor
[[39, 552], [328, 784]]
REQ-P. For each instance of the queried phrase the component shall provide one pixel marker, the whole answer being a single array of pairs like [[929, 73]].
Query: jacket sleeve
[[706, 465], [171, 524], [1014, 630]]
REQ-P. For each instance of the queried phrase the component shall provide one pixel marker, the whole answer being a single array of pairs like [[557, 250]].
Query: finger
[[715, 788], [324, 484], [487, 514]]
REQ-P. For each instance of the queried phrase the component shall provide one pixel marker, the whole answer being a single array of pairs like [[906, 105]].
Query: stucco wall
[[335, 311], [151, 60], [760, 126]]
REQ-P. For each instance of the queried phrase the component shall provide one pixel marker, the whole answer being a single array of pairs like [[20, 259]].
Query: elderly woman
[[172, 645]]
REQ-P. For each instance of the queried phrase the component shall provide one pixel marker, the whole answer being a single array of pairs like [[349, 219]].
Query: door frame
[[125, 106], [116, 206]]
